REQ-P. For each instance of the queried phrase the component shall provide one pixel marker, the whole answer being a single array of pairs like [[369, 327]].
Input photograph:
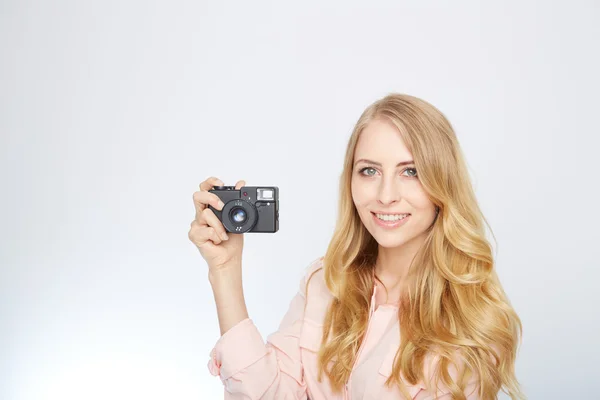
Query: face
[[385, 184]]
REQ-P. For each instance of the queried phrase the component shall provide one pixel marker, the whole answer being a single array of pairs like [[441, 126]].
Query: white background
[[113, 112]]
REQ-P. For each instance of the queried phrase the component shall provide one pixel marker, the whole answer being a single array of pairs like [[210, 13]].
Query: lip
[[391, 224]]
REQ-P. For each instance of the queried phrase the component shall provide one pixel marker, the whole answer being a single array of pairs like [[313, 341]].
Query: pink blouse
[[286, 366]]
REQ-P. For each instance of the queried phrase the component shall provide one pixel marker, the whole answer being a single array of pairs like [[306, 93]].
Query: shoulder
[[314, 290], [313, 268]]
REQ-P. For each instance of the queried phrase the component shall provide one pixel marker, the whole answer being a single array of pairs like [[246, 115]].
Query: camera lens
[[238, 215]]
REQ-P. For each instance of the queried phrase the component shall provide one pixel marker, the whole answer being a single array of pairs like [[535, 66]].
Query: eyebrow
[[379, 164]]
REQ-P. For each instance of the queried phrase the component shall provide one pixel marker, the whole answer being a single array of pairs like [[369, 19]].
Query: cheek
[[418, 198], [425, 203], [421, 204], [360, 195]]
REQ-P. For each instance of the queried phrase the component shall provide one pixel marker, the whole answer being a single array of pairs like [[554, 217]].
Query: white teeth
[[386, 217]]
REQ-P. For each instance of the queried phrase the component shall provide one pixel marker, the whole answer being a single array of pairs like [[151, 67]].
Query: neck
[[392, 265]]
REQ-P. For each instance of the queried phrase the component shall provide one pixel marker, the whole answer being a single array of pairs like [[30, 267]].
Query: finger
[[240, 184], [210, 182], [203, 199], [212, 220], [201, 235]]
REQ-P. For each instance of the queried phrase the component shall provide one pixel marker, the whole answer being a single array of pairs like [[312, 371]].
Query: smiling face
[[385, 183]]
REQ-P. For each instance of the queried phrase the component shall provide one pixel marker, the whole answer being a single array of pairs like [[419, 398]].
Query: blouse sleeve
[[252, 369]]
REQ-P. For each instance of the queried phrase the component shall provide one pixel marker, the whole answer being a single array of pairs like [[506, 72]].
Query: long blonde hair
[[455, 304]]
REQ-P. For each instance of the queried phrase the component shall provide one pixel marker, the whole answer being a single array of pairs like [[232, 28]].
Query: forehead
[[381, 141]]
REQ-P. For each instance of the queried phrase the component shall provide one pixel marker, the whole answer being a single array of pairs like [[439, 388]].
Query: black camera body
[[249, 209]]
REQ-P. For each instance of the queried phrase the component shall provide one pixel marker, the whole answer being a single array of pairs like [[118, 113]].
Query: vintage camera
[[249, 209]]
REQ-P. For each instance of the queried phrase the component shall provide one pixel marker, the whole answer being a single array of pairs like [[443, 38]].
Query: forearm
[[229, 296]]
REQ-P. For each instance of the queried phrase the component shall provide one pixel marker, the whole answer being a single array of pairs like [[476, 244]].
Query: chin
[[389, 242], [387, 245]]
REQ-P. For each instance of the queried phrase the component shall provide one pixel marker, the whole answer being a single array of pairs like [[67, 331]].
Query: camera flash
[[264, 194]]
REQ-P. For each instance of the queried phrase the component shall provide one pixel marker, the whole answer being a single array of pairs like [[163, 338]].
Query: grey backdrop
[[112, 113]]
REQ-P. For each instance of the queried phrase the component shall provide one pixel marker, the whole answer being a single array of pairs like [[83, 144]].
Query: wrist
[[231, 274]]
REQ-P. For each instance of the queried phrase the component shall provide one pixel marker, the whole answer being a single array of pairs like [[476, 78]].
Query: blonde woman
[[405, 303]]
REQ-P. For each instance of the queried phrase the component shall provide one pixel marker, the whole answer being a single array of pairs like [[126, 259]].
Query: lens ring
[[239, 216]]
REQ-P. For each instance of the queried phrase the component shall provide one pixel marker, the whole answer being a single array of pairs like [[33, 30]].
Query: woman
[[405, 303]]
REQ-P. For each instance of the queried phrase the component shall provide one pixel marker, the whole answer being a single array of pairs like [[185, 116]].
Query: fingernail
[[224, 236], [221, 205]]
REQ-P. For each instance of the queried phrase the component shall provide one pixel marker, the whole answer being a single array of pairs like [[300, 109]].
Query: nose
[[389, 191]]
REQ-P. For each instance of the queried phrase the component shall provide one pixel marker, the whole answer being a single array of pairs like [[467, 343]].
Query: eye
[[367, 168], [413, 172]]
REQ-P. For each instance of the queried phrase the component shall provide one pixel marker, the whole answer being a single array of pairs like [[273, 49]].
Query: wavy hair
[[454, 304]]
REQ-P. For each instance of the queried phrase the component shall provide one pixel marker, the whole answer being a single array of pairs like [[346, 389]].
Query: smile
[[390, 220]]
